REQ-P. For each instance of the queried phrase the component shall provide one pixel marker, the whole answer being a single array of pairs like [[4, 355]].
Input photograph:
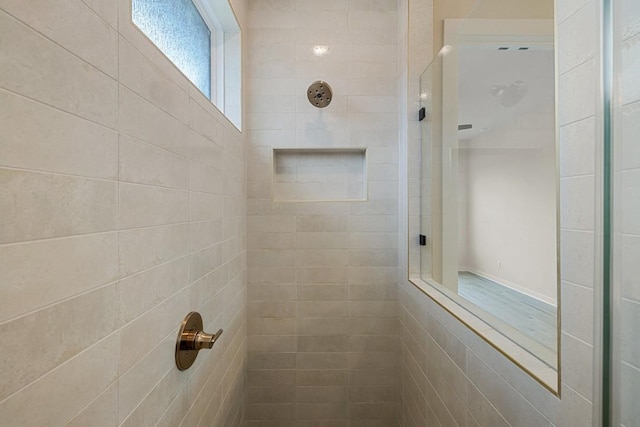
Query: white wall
[[122, 193], [507, 189]]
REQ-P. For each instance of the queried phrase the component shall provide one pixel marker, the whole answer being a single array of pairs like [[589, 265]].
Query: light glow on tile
[[320, 50]]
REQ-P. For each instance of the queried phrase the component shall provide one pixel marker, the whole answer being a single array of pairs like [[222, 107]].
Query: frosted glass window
[[177, 28]]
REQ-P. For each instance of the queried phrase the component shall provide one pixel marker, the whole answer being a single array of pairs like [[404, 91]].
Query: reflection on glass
[[507, 188], [489, 178], [177, 28]]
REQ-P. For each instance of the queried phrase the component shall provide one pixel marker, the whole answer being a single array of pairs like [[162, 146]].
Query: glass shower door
[[625, 259]]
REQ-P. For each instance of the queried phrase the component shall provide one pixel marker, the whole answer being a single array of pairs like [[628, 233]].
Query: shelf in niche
[[319, 174]]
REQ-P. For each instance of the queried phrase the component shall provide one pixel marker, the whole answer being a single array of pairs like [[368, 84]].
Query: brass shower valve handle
[[192, 339], [204, 340]]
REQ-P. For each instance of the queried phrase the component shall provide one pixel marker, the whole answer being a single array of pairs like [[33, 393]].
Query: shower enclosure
[[621, 293], [599, 173]]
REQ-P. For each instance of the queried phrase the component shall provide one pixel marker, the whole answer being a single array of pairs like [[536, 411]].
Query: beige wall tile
[[39, 205], [107, 131], [59, 391], [144, 248], [142, 163], [99, 311], [158, 322], [143, 205], [140, 119], [89, 37], [324, 377], [70, 84], [66, 267], [140, 75], [47, 139], [103, 408]]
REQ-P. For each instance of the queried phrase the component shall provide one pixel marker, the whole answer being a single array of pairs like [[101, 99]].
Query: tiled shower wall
[[451, 377], [323, 343], [122, 193], [626, 221]]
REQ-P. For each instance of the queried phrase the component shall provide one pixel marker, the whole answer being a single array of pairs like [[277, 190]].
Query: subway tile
[[373, 258], [205, 233], [322, 343], [204, 261], [629, 269], [271, 377], [577, 196], [310, 223], [321, 326], [374, 359], [374, 377], [575, 410], [159, 322], [39, 205], [325, 394], [317, 292], [143, 205], [46, 139], [374, 326], [151, 409], [323, 309], [141, 249], [270, 411], [204, 207], [577, 359], [60, 392], [373, 394], [321, 377], [142, 163], [143, 120], [135, 384], [90, 37], [335, 360], [98, 309], [629, 126], [66, 267], [278, 309], [268, 292], [374, 411], [140, 292], [579, 80], [261, 360], [577, 252], [321, 411], [629, 201], [579, 321], [70, 83], [271, 394], [577, 148], [374, 343], [373, 308], [629, 54], [103, 408], [575, 46], [140, 75], [321, 258], [373, 292], [263, 274], [322, 275], [270, 326], [272, 343]]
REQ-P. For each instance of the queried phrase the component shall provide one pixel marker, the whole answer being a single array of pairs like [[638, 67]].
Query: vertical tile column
[[323, 327]]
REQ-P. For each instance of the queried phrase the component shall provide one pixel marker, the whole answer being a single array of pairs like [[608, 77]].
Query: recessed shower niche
[[317, 174]]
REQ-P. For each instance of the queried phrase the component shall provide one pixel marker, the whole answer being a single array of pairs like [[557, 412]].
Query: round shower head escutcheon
[[320, 94]]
